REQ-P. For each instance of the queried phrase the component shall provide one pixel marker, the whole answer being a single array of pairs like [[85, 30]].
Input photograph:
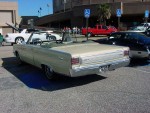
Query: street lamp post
[[40, 11], [48, 5]]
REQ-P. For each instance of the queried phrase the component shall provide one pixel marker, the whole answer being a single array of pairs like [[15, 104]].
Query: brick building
[[9, 14], [71, 13]]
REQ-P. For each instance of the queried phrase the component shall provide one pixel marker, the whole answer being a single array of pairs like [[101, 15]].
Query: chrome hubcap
[[48, 72], [19, 41]]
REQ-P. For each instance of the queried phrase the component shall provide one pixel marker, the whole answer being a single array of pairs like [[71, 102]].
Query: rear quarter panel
[[59, 61]]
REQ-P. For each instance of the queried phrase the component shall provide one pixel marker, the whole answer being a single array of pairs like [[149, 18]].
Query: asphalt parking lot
[[25, 89]]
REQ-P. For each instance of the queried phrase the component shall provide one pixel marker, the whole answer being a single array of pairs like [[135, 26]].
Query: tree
[[104, 13]]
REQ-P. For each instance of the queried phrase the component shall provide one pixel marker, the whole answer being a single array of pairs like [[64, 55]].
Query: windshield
[[48, 40], [44, 36], [37, 36]]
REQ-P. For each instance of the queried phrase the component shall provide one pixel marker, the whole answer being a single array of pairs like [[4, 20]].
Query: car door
[[98, 31], [27, 52], [28, 49], [104, 30]]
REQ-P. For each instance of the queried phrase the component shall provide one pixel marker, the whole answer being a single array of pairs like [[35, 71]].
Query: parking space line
[[1, 62], [141, 70]]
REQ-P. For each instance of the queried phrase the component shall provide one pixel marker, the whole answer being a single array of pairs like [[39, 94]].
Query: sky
[[32, 7]]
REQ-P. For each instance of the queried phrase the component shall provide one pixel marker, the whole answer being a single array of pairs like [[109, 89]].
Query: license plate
[[103, 68]]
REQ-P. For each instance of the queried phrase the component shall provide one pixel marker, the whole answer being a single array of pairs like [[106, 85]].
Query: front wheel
[[19, 40]]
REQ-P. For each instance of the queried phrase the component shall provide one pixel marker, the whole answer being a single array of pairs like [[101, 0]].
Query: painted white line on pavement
[[141, 70], [1, 62]]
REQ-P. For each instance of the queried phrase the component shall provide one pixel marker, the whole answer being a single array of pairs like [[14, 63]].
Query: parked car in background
[[136, 29], [70, 58], [145, 31], [22, 35], [138, 43], [18, 37], [98, 30], [1, 39], [140, 28]]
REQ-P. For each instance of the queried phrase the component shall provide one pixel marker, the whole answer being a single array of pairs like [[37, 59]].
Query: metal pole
[[146, 20], [48, 10], [87, 28], [119, 23]]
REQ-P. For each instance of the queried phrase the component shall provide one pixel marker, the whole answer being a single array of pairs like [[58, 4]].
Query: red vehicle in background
[[99, 30]]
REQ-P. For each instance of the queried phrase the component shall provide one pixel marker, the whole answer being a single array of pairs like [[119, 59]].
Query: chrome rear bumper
[[95, 69]]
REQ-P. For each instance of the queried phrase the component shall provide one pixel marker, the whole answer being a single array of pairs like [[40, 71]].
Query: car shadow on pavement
[[139, 62], [33, 77]]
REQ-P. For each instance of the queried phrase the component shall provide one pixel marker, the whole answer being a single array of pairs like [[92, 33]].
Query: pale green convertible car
[[68, 57]]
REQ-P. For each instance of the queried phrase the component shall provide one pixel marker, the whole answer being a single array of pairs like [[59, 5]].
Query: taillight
[[74, 61], [126, 52]]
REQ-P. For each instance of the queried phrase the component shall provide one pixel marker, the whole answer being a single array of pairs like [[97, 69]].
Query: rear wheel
[[49, 72], [19, 40], [51, 38]]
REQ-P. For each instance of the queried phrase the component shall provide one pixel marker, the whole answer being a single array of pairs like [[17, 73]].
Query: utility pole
[[48, 5], [118, 14]]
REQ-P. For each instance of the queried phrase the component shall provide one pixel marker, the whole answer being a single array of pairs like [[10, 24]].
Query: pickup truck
[[70, 58], [17, 37], [98, 30]]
